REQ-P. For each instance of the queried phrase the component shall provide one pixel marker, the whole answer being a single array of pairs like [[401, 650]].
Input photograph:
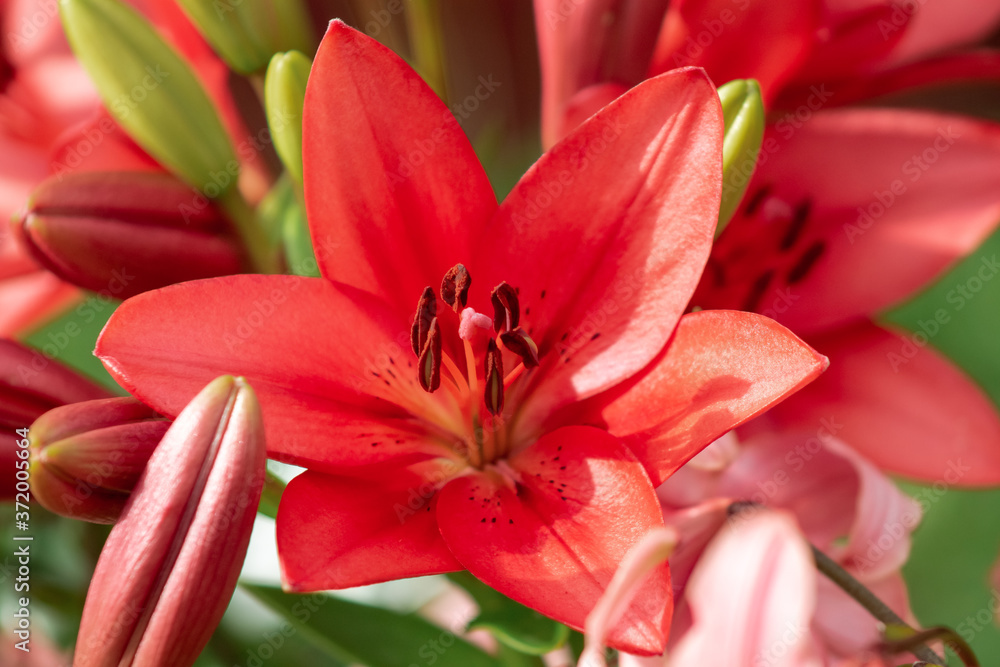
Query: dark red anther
[[519, 342], [506, 309], [494, 378], [426, 310], [429, 365], [455, 287]]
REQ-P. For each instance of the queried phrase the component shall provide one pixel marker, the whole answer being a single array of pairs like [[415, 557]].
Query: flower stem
[[423, 18], [869, 601], [261, 250], [271, 495]]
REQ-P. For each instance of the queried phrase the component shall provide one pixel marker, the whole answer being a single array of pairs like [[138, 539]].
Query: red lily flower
[[848, 213], [537, 481], [593, 50], [822, 254]]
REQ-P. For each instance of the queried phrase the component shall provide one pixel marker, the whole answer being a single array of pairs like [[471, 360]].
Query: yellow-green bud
[[246, 33], [284, 93], [743, 110], [152, 92]]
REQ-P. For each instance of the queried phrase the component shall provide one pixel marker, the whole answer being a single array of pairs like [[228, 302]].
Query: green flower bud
[[284, 93], [743, 110], [246, 33], [152, 92]]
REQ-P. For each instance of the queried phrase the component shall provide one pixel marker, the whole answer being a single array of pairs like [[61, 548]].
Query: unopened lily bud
[[743, 109], [87, 457], [170, 565], [125, 233], [284, 95], [31, 384], [152, 92], [247, 33]]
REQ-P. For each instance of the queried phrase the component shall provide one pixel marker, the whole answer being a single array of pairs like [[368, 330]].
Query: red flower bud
[[30, 385], [125, 233], [87, 457], [171, 563]]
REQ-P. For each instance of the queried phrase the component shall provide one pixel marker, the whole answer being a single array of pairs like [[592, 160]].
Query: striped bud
[[125, 233], [170, 565], [87, 457]]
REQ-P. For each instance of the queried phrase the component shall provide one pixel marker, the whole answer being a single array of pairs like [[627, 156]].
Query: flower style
[[848, 212], [518, 427]]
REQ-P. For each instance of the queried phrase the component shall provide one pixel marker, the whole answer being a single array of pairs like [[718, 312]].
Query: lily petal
[[837, 238], [603, 311], [394, 192], [554, 538], [752, 596], [338, 532], [720, 369], [603, 44], [917, 416], [733, 31], [334, 373], [937, 27]]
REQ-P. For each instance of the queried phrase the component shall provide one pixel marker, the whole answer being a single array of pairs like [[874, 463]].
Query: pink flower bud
[[171, 563], [87, 457], [124, 233]]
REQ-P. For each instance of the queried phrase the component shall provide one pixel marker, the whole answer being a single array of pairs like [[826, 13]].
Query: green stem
[[875, 606], [260, 249], [424, 23], [274, 486]]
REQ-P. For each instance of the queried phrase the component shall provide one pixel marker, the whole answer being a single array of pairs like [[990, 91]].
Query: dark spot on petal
[[596, 336], [799, 219], [543, 296], [806, 262], [391, 361], [567, 360], [510, 520], [565, 336], [483, 520], [374, 444], [757, 199], [376, 374], [494, 520], [562, 467], [757, 290], [527, 310]]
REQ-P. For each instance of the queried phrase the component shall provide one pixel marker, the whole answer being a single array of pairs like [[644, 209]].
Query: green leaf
[[370, 635], [152, 92], [743, 110], [510, 622]]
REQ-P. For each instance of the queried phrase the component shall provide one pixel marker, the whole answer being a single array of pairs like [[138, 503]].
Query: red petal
[[555, 545], [394, 191], [639, 241], [896, 198], [725, 38], [937, 27], [339, 532], [589, 44], [906, 408], [319, 358], [720, 369]]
